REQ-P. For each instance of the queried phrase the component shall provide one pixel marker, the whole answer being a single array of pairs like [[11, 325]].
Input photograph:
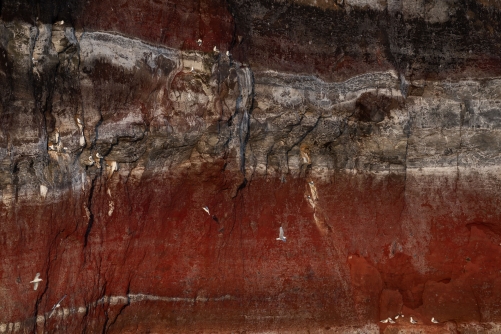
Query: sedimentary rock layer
[[369, 131]]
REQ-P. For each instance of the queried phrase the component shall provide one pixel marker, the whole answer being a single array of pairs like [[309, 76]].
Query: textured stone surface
[[368, 130]]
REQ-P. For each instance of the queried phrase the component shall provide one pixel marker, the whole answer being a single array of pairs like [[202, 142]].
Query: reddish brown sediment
[[377, 259], [170, 23], [368, 131]]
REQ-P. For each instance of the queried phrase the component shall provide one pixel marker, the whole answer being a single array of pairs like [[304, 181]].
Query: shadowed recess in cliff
[[47, 11]]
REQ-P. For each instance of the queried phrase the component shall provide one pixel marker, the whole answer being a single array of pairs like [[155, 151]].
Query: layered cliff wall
[[369, 131]]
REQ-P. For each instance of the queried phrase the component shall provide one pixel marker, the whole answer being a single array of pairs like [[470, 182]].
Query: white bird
[[79, 123], [99, 156], [58, 304], [390, 320], [60, 22], [215, 49], [111, 167], [281, 235], [206, 209], [397, 316], [36, 280], [90, 162], [434, 321], [384, 321], [192, 69], [199, 42], [227, 53], [310, 201], [412, 321]]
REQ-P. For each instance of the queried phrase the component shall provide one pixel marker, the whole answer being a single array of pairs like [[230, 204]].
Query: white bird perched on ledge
[[90, 162], [199, 42], [206, 209], [111, 167], [434, 321], [36, 280], [412, 321], [215, 49], [80, 124], [60, 23], [43, 191], [99, 156], [281, 235]]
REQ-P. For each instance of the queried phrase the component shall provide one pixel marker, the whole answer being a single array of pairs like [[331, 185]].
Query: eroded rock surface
[[368, 130]]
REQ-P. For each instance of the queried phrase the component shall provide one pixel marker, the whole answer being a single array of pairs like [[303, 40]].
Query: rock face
[[369, 131]]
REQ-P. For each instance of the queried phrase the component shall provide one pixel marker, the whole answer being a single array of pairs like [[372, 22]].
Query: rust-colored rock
[[146, 177], [390, 304]]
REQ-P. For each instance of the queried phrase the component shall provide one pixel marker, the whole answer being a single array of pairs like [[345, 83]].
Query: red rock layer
[[346, 267], [177, 24]]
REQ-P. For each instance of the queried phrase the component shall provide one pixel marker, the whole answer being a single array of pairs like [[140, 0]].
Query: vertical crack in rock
[[407, 131], [106, 319], [244, 104], [90, 221], [42, 90], [404, 86], [122, 308], [309, 129], [458, 153]]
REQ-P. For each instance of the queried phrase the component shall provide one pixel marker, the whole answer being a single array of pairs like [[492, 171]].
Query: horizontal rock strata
[[368, 130]]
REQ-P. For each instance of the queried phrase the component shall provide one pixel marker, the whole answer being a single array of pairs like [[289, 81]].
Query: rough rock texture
[[369, 130]]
